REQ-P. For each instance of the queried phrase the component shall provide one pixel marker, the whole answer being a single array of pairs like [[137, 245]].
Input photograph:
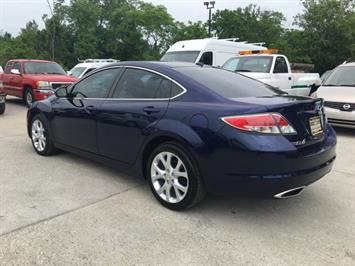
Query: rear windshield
[[228, 84], [183, 56], [261, 64], [43, 68], [77, 71]]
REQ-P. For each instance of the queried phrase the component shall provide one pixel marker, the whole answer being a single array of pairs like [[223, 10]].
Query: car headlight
[[43, 85]]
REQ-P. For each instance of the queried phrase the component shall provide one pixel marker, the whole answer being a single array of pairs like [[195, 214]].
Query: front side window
[[181, 56], [207, 58], [142, 84], [96, 85], [43, 68], [17, 65], [280, 65]]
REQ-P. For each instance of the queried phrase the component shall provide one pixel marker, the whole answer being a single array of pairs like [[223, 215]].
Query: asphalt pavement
[[67, 210]]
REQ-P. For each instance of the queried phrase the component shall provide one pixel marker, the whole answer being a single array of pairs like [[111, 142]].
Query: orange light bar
[[268, 51]]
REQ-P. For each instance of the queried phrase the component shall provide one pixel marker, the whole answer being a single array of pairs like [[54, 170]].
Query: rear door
[[15, 81], [138, 101], [7, 78], [75, 118]]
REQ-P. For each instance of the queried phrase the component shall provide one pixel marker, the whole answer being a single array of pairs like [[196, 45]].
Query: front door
[[74, 121], [282, 74], [137, 103]]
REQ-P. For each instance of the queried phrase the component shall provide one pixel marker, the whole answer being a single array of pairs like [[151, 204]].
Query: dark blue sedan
[[189, 129]]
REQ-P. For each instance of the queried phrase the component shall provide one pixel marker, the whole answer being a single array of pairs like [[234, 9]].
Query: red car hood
[[50, 78]]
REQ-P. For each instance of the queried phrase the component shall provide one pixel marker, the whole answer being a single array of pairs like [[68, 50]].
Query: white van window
[[207, 58], [181, 56]]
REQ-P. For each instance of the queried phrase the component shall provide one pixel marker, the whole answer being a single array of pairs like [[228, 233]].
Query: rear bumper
[[232, 170]]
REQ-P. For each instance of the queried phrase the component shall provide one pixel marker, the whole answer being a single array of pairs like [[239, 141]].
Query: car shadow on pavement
[[343, 131], [15, 101]]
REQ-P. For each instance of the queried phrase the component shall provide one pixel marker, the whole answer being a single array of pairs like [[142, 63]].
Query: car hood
[[337, 94], [50, 78]]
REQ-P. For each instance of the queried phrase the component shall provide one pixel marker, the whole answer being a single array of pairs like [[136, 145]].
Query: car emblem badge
[[346, 106]]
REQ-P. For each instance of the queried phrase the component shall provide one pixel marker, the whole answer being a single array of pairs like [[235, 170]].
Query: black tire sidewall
[[2, 108], [49, 146], [28, 91], [192, 171]]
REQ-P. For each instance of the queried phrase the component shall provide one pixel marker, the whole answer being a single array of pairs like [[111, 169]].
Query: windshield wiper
[[242, 70], [339, 85]]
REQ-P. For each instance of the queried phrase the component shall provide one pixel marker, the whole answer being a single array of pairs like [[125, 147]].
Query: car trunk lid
[[303, 113]]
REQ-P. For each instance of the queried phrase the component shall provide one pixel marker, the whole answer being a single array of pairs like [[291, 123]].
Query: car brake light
[[270, 123]]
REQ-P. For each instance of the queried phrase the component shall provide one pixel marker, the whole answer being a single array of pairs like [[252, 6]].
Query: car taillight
[[270, 123]]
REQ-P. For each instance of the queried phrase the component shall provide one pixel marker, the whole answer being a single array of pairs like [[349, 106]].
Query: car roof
[[31, 60], [154, 64], [347, 64]]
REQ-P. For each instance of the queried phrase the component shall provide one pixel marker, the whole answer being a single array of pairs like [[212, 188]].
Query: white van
[[211, 51], [89, 65]]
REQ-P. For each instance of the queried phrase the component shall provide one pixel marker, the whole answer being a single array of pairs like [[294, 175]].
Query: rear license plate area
[[315, 125]]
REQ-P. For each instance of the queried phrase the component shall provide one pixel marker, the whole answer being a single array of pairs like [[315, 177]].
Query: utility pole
[[51, 9], [209, 5]]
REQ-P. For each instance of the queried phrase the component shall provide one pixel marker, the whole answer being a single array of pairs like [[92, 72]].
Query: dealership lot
[[68, 210]]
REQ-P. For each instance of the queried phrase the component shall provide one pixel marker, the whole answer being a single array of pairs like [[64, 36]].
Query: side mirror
[[61, 92], [315, 86], [15, 72]]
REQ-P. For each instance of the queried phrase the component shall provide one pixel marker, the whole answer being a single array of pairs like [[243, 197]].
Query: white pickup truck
[[273, 69]]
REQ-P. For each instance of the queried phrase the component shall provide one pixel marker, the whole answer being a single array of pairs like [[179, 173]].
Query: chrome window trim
[[184, 90]]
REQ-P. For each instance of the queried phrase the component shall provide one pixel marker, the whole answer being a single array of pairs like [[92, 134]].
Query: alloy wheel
[[29, 98], [38, 135], [169, 177]]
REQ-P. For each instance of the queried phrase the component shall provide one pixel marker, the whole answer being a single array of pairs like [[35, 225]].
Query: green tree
[[249, 24], [329, 31], [187, 31]]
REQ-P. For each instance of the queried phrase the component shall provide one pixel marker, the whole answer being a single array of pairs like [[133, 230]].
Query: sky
[[15, 13]]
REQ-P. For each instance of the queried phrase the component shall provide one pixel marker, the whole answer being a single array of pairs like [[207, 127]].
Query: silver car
[[338, 92]]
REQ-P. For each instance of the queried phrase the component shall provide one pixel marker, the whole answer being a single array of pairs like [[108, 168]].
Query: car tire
[[174, 179], [40, 136], [2, 108], [28, 97]]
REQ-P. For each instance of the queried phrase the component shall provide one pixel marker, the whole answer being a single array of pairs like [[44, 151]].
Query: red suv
[[32, 80]]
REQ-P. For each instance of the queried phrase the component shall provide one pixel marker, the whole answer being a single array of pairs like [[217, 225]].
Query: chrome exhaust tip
[[290, 193]]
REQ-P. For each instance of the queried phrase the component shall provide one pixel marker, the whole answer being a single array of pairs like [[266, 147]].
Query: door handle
[[151, 109]]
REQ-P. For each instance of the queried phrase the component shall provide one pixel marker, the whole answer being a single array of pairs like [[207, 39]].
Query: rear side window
[[8, 67], [228, 84], [141, 84]]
